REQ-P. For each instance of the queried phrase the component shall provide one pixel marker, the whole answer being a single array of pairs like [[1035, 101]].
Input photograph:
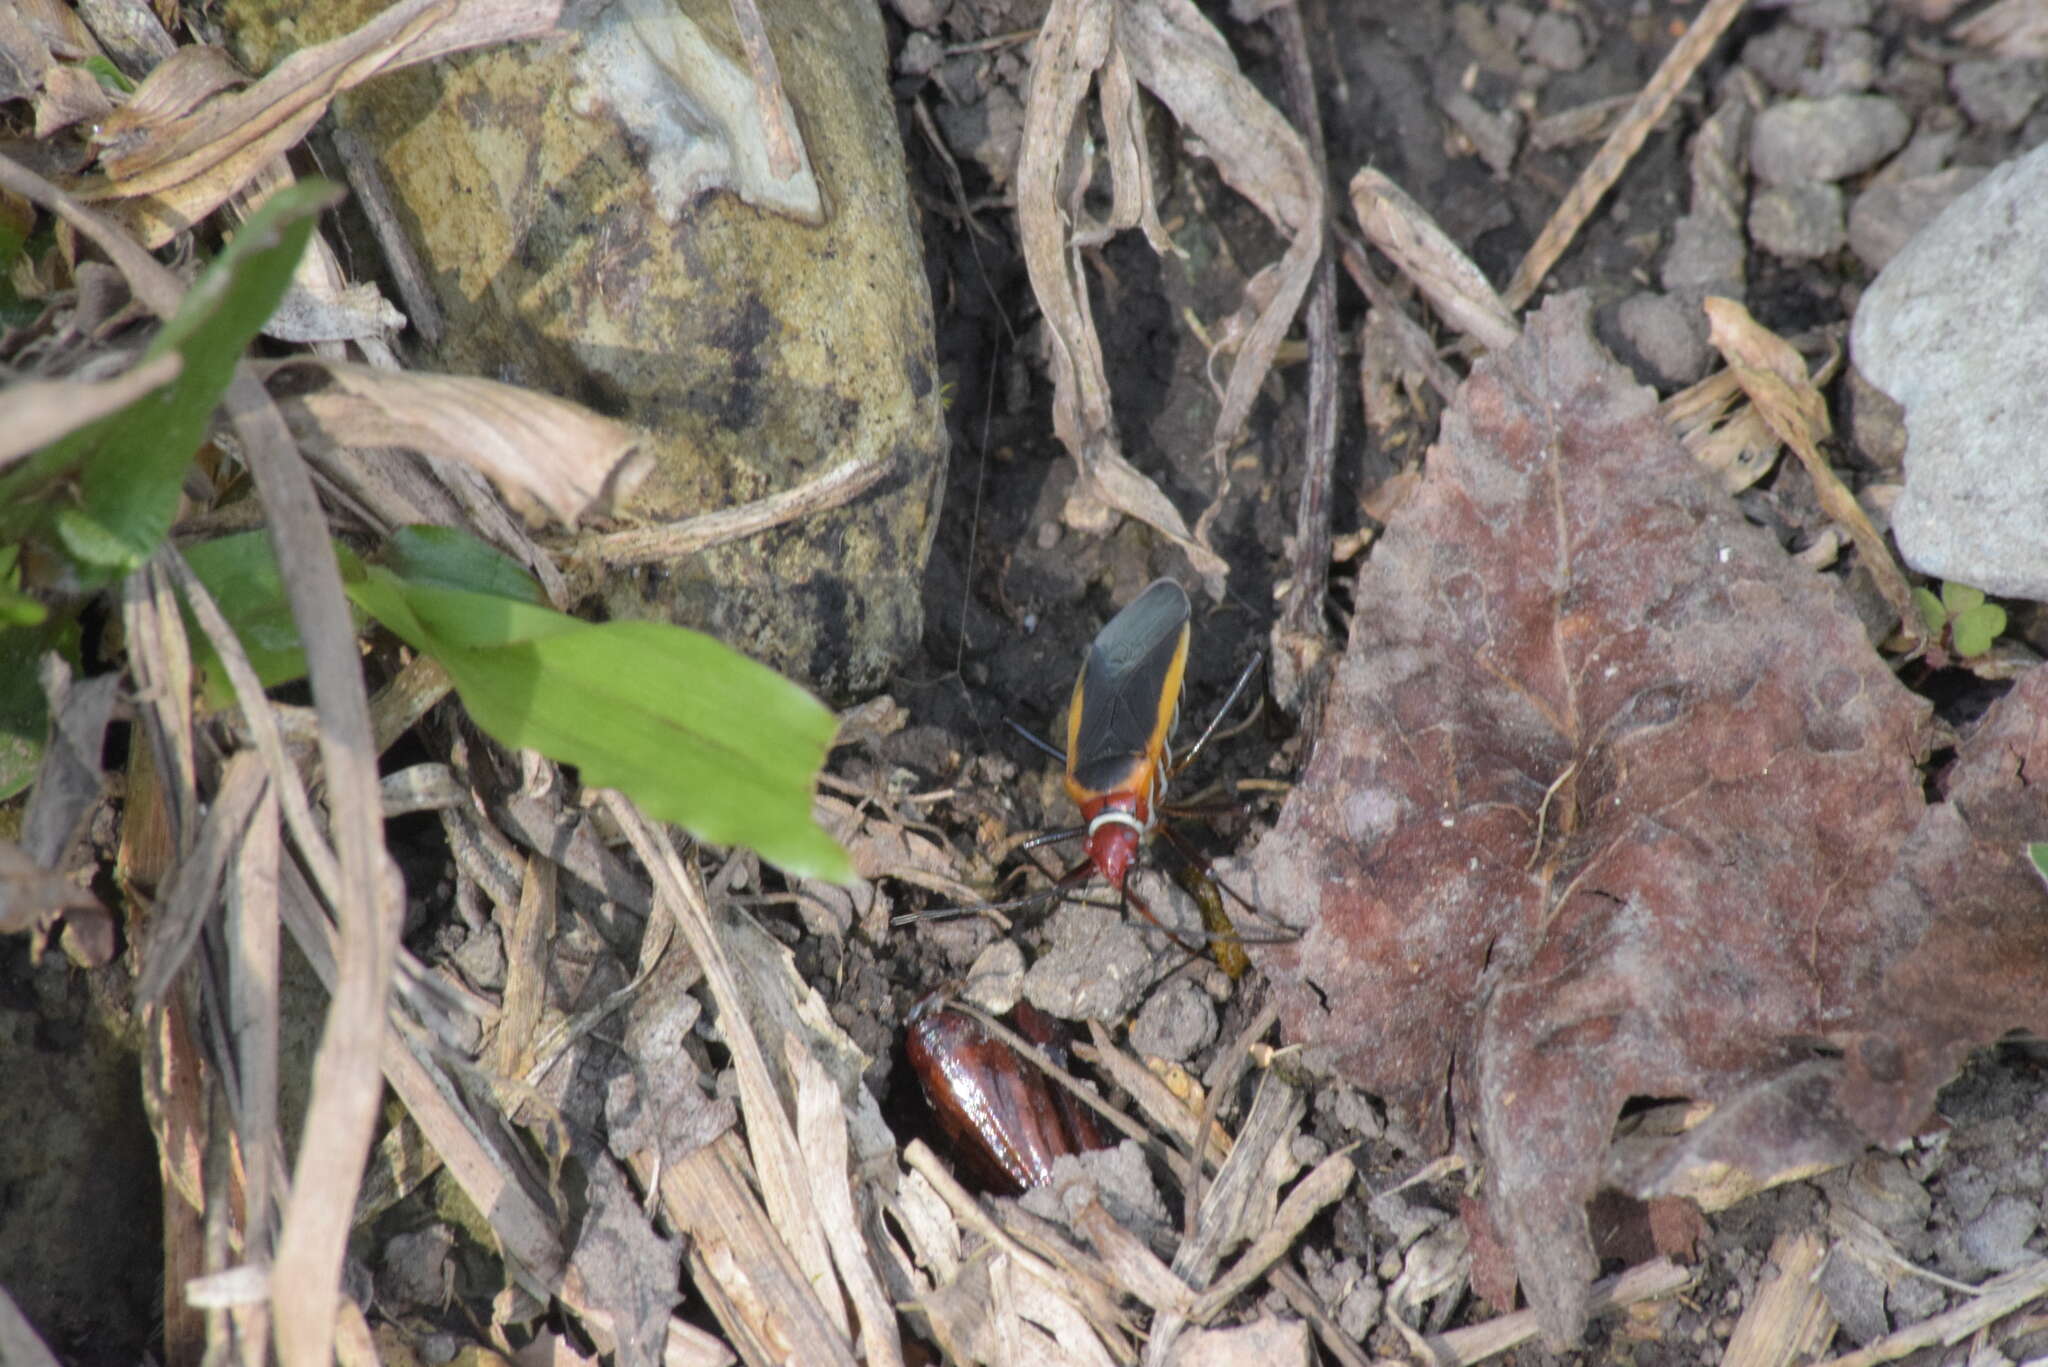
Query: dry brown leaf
[[171, 174], [1601, 797], [1774, 376], [41, 44], [534, 447]]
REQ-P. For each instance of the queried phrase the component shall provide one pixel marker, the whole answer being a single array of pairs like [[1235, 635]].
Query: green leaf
[[241, 573], [1976, 628], [108, 75], [1932, 613], [441, 557], [1960, 598], [693, 731], [2037, 853], [130, 465], [24, 711]]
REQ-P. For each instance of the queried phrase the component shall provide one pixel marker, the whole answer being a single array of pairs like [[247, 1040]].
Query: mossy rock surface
[[754, 349]]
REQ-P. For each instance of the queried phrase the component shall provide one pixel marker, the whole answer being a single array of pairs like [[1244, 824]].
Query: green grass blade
[[129, 465]]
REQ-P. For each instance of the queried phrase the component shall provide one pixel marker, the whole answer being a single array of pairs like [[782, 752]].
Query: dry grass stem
[[1774, 376], [1620, 148], [1996, 1299], [1787, 1320], [34, 413], [1645, 1281], [838, 486]]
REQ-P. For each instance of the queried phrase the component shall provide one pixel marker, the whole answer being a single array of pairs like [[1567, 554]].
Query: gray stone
[[1855, 1295], [1799, 140], [1798, 221], [1998, 1238], [1833, 15], [1848, 64], [1879, 1189], [416, 1272], [1707, 256], [1913, 1299], [1996, 94], [1877, 425], [1667, 333], [1555, 40], [1884, 218], [1953, 329], [1781, 56], [1913, 79], [1098, 965], [1175, 1022]]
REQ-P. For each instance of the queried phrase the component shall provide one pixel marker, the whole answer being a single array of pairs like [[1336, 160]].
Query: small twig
[[1996, 1299], [840, 485], [1620, 148], [1645, 1281], [783, 161], [373, 198], [1299, 632]]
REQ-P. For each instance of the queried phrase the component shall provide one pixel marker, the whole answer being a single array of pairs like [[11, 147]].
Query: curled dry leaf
[[1603, 805], [535, 448], [169, 174], [1774, 376], [1453, 284], [1167, 47]]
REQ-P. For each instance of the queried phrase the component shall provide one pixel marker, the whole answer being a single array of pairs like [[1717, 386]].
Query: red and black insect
[[1119, 757]]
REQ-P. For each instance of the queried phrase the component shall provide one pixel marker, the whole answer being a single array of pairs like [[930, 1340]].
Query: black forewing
[[1125, 685]]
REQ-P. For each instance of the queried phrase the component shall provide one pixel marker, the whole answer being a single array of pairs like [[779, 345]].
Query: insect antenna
[[1028, 734], [1236, 690]]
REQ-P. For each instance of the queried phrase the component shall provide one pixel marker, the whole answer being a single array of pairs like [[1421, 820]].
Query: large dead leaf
[[1601, 802]]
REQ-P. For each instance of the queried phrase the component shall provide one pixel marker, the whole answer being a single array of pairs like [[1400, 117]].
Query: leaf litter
[[1612, 800]]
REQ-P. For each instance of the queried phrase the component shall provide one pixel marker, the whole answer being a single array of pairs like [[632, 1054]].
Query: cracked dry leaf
[[1601, 796]]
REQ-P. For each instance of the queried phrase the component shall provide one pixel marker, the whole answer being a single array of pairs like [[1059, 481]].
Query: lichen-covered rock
[[597, 221]]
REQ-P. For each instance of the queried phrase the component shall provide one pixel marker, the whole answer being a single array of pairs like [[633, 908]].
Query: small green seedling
[[1970, 623], [2037, 855]]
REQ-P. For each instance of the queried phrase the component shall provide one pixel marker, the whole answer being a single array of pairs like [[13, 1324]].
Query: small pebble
[[1826, 140], [1884, 218], [415, 1270], [920, 56], [1997, 1239], [1798, 221], [1997, 94], [1848, 64], [997, 978], [920, 14], [1877, 425], [1707, 256], [1916, 81], [1781, 56], [1175, 1022], [482, 959], [1661, 329], [1833, 15], [1098, 965], [1913, 1299], [1555, 40], [1855, 1295]]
